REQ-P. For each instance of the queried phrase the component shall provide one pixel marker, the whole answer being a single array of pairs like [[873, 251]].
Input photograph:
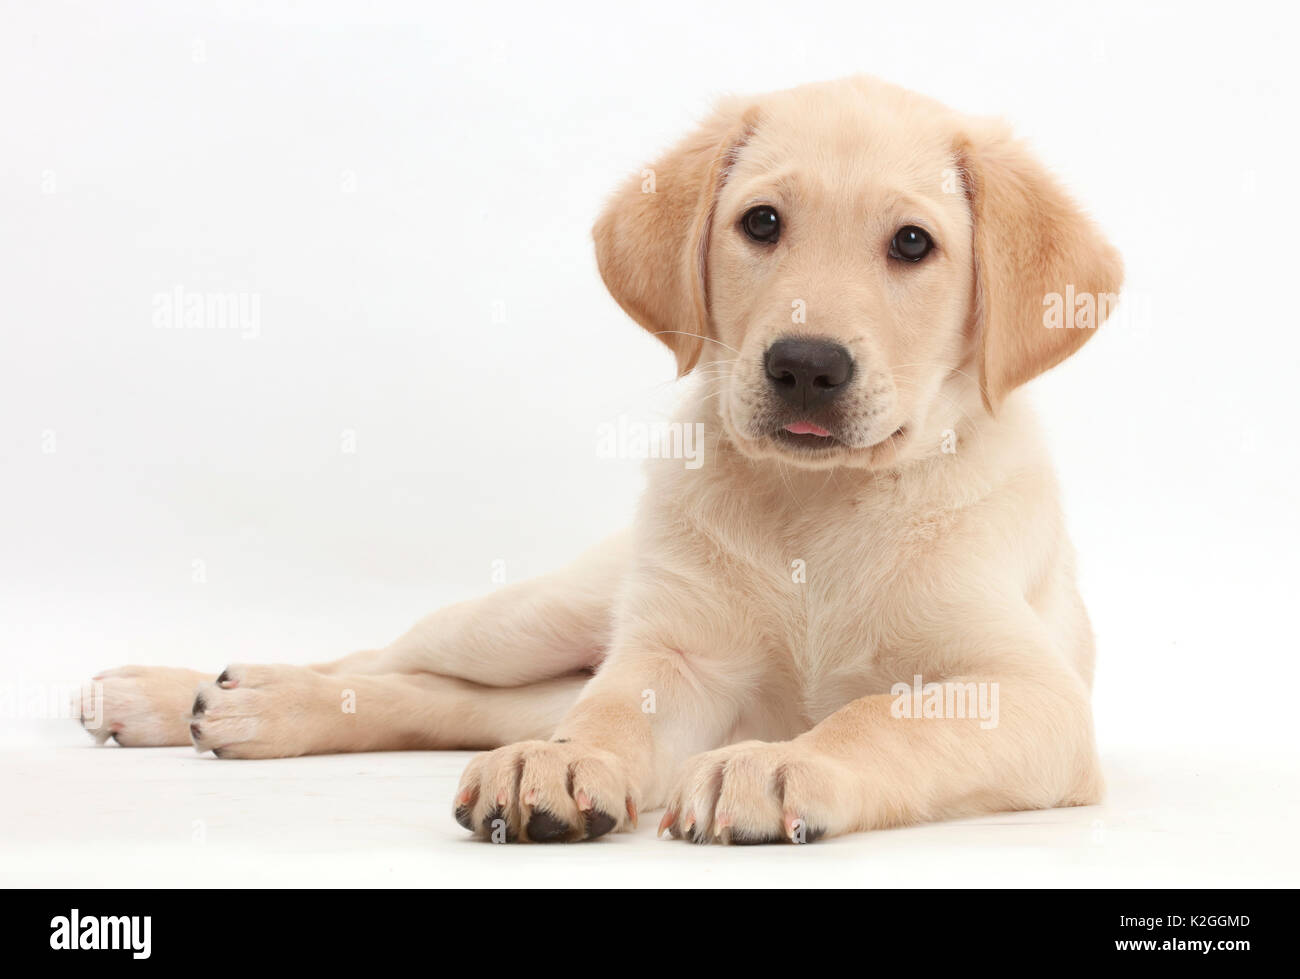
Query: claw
[[670, 817], [797, 829]]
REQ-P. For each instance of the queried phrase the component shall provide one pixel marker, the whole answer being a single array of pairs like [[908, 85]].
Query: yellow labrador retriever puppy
[[861, 610]]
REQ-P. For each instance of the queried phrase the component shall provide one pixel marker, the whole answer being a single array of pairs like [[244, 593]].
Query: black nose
[[808, 373]]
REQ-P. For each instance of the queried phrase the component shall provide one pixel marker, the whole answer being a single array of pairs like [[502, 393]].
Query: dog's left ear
[[1045, 277], [652, 239]]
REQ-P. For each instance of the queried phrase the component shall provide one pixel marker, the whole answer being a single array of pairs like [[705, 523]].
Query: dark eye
[[911, 244], [762, 224]]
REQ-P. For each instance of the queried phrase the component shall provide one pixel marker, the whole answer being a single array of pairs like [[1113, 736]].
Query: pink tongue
[[806, 428]]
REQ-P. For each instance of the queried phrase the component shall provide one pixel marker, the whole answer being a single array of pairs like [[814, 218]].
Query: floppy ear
[[1045, 278], [652, 240]]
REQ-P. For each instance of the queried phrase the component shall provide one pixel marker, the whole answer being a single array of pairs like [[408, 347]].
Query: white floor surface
[[79, 815]]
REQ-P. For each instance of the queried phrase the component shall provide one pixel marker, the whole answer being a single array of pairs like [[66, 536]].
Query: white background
[[383, 177]]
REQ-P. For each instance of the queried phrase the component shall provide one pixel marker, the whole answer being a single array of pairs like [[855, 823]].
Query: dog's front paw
[[760, 792], [546, 792]]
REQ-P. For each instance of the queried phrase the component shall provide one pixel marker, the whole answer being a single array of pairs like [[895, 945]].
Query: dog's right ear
[[652, 240]]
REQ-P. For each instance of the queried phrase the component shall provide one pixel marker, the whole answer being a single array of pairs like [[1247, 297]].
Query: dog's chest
[[813, 575], [829, 606]]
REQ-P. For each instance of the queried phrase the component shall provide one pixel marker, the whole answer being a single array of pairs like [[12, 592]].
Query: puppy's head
[[856, 268]]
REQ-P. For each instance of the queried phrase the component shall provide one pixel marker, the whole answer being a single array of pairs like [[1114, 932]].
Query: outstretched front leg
[[893, 759]]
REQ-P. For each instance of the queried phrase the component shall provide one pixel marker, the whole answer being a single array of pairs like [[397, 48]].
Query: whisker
[[697, 336]]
